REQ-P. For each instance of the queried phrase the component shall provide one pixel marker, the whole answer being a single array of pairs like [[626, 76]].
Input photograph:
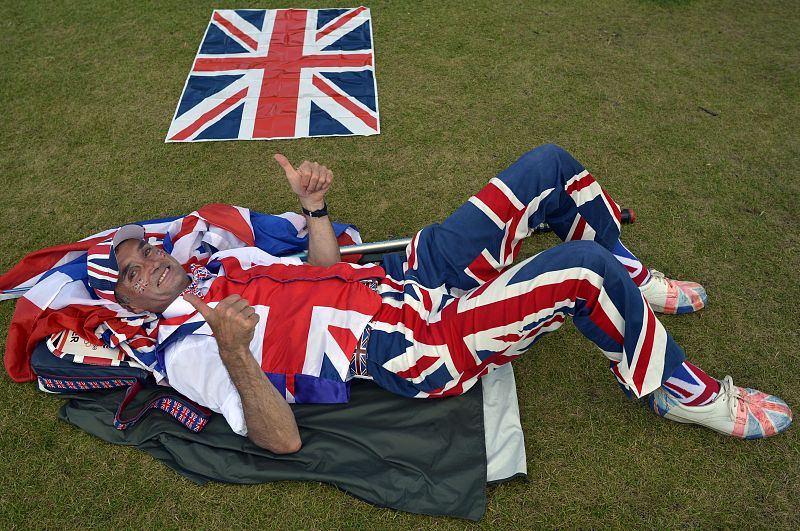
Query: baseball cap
[[101, 263]]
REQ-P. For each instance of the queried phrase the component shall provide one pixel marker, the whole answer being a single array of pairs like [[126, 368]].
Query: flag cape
[[285, 73], [54, 294]]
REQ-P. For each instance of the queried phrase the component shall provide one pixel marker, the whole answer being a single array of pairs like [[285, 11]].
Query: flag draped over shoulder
[[54, 294], [280, 73]]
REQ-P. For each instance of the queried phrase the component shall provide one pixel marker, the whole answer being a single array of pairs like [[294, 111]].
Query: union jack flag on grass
[[285, 73]]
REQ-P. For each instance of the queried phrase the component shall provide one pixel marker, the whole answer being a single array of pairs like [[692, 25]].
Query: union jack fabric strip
[[280, 73], [193, 416], [64, 384]]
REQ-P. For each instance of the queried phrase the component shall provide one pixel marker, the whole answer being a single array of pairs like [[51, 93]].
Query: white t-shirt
[[196, 371], [193, 365]]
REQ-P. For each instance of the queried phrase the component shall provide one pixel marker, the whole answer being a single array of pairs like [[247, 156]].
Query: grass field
[[687, 111]]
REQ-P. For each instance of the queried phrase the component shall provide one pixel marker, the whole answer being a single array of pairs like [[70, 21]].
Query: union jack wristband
[[322, 212]]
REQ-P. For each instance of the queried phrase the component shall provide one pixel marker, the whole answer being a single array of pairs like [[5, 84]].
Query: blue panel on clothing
[[322, 123], [563, 310], [359, 85], [328, 371], [436, 380], [313, 390], [445, 301], [75, 269], [381, 348], [217, 41], [226, 127], [393, 295], [408, 289], [358, 39], [253, 16], [682, 374], [198, 88]]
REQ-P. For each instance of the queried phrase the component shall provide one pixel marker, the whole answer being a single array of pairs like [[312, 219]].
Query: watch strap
[[322, 212]]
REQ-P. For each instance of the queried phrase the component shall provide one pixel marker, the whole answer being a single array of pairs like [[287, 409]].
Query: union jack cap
[[101, 263]]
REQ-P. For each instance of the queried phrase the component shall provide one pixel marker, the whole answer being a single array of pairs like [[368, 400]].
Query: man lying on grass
[[431, 322]]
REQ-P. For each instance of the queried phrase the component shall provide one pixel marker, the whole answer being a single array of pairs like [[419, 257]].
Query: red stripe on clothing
[[578, 234], [646, 351], [105, 275], [412, 255], [641, 276], [177, 320], [229, 218], [482, 269], [580, 184], [498, 202], [681, 391], [427, 303], [613, 205], [419, 367], [615, 371], [394, 285], [187, 226], [604, 323]]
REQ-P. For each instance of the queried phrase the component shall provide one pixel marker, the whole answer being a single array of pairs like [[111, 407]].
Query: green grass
[[87, 91]]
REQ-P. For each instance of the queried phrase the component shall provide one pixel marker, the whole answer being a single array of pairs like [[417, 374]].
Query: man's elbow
[[288, 445]]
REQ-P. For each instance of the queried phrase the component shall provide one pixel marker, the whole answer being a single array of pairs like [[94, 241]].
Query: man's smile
[[163, 276]]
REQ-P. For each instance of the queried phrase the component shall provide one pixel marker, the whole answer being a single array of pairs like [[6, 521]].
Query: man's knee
[[548, 164], [546, 154], [583, 253]]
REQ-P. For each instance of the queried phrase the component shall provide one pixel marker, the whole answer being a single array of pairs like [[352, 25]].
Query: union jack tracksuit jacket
[[454, 307]]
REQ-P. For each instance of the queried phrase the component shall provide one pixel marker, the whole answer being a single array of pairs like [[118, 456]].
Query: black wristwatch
[[322, 212]]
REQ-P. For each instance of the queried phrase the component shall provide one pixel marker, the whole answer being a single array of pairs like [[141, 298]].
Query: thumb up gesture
[[310, 181], [233, 321]]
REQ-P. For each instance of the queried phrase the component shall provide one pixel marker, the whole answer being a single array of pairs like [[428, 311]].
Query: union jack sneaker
[[673, 296], [737, 411]]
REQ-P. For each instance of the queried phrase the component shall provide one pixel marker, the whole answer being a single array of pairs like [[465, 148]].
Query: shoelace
[[660, 277], [731, 394]]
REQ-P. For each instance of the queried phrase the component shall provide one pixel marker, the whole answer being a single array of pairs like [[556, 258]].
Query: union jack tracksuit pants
[[454, 307]]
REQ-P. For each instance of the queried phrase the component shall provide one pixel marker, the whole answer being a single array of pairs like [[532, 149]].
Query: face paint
[[139, 286]]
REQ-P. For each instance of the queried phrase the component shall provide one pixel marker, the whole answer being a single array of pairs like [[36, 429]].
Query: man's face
[[149, 278]]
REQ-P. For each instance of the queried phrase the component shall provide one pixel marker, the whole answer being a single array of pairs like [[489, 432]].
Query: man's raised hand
[[310, 181], [233, 321]]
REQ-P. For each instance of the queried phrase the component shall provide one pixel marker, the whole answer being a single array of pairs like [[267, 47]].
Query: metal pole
[[385, 246]]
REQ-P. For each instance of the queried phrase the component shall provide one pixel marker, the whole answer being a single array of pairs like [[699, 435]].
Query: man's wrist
[[312, 204], [234, 353], [315, 211]]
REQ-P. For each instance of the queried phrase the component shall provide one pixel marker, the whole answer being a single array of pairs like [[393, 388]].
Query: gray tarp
[[421, 456]]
